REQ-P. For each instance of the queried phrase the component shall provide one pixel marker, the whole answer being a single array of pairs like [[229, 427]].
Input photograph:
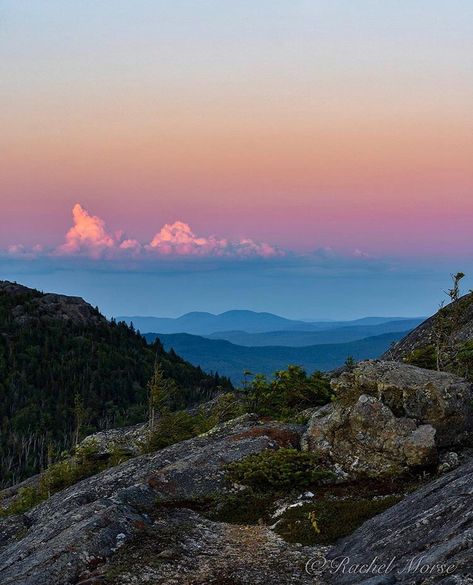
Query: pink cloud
[[360, 254], [89, 237], [21, 250], [178, 239], [131, 245]]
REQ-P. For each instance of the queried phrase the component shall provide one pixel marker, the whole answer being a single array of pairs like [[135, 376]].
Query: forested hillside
[[65, 369], [233, 360]]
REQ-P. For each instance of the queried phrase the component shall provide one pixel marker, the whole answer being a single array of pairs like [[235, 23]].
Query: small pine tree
[[454, 293], [160, 390], [350, 363], [79, 416], [446, 323]]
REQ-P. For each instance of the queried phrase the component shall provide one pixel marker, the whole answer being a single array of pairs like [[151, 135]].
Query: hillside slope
[[60, 360], [445, 340], [233, 360]]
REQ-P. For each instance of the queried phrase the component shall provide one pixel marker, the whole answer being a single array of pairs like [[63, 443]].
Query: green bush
[[173, 427], [57, 476], [27, 498], [325, 521], [423, 357], [284, 469], [289, 392], [245, 507], [226, 407], [69, 471], [465, 359]]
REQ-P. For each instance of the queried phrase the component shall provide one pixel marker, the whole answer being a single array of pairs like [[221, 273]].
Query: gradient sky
[[312, 152]]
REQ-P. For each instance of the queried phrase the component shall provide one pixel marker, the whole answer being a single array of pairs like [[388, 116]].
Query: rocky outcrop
[[390, 417], [425, 539], [127, 440], [66, 538], [454, 322], [49, 306]]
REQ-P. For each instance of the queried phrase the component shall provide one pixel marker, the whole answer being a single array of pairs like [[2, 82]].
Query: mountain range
[[231, 360], [201, 323], [235, 341], [337, 334]]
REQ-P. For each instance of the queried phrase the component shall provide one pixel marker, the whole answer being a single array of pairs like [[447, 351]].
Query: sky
[[304, 157]]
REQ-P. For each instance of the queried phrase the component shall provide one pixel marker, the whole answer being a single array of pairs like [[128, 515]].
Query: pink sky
[[313, 126]]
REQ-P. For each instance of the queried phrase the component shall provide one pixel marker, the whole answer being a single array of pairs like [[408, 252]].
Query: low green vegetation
[[335, 511], [274, 480], [247, 506], [27, 498], [423, 357], [173, 427], [283, 469], [465, 359], [289, 392], [83, 463], [327, 520], [445, 352]]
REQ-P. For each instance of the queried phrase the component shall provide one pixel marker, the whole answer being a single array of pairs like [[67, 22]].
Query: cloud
[[21, 251], [89, 238], [89, 242], [360, 254], [178, 239]]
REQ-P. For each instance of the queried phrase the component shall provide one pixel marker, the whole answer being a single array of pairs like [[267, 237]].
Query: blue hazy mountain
[[233, 360], [200, 323], [342, 334]]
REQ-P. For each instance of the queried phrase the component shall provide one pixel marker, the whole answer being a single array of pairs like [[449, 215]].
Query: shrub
[[327, 520], [57, 476], [277, 470], [423, 357], [173, 427], [245, 507], [27, 498], [287, 393], [465, 359], [226, 407]]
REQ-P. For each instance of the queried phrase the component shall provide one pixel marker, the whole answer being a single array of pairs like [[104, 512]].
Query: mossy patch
[[245, 507], [423, 357], [325, 521], [284, 469], [83, 463]]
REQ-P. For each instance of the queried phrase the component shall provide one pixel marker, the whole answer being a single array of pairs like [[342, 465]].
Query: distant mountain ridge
[[201, 323], [233, 360], [304, 338]]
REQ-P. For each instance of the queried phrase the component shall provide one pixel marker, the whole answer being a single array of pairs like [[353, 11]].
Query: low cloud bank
[[89, 237]]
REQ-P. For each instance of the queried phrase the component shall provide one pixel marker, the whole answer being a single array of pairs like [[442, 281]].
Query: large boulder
[[390, 417], [425, 539]]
